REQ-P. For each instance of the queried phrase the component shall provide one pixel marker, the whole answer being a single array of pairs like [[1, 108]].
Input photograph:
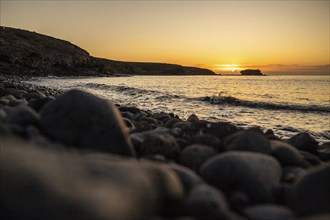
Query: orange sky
[[226, 36]]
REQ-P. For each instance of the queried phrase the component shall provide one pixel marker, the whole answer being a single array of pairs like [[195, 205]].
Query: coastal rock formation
[[251, 72], [28, 53]]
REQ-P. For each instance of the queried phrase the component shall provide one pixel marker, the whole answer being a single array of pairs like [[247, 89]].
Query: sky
[[226, 36]]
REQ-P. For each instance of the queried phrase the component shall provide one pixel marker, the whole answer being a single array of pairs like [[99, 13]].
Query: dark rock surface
[[252, 173], [269, 212], [305, 142], [311, 193], [248, 140], [251, 72], [287, 155], [195, 155], [81, 119], [46, 184], [206, 202]]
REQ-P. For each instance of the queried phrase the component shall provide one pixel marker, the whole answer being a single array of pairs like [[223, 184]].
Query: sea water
[[286, 104]]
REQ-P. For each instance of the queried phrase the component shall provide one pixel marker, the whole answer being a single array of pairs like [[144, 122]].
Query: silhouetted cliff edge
[[28, 53]]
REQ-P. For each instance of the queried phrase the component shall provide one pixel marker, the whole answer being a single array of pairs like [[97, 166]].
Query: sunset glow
[[278, 37]]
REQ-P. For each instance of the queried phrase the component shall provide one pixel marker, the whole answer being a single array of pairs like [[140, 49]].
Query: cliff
[[28, 53]]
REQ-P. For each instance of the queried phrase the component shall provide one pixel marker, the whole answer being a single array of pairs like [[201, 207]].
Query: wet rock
[[84, 120], [163, 144], [164, 117], [310, 194], [247, 140], [195, 155], [185, 129], [133, 110], [189, 179], [170, 123], [206, 202], [270, 135], [303, 141], [207, 139], [252, 173], [269, 212], [220, 129], [287, 155], [141, 126]]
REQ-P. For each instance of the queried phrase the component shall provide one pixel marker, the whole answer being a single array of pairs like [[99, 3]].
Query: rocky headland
[[73, 155], [28, 53]]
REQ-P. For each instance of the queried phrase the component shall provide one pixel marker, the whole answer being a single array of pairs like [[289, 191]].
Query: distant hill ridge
[[28, 53]]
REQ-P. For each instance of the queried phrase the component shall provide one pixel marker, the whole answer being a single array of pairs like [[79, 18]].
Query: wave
[[215, 100], [229, 100], [131, 91]]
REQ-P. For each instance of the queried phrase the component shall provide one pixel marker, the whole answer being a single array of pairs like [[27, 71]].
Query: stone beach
[[73, 155]]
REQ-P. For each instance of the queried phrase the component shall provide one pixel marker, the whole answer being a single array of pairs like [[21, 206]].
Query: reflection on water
[[286, 104]]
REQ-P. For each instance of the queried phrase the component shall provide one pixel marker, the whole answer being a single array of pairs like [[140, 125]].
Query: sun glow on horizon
[[228, 67]]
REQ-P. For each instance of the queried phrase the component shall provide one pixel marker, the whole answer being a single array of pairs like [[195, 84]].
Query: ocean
[[286, 104]]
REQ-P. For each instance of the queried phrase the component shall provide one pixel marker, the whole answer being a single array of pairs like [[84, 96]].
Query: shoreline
[[184, 163]]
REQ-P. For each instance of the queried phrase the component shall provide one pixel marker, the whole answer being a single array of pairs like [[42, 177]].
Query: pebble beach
[[74, 155]]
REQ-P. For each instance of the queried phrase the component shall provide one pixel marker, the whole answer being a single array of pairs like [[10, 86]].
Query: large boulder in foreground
[[311, 193], [254, 174], [38, 183], [81, 119]]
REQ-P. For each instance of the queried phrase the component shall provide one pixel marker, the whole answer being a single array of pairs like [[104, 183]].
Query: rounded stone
[[248, 140], [81, 119], [207, 139], [195, 155], [303, 141], [189, 178], [287, 155], [311, 193], [206, 202], [254, 174], [310, 158], [163, 144], [21, 115]]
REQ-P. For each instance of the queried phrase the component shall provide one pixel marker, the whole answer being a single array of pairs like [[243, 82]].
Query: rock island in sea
[[73, 155], [251, 72]]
